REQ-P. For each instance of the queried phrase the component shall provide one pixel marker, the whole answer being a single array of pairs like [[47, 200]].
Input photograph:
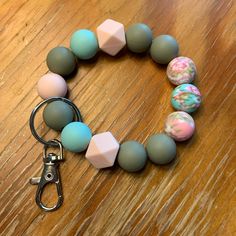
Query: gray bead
[[138, 38], [161, 149], [57, 115], [132, 156], [61, 60], [164, 48]]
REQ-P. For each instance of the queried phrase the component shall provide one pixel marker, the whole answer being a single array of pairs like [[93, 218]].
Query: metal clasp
[[50, 174]]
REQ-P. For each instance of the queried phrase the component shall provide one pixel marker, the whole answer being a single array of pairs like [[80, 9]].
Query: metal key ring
[[33, 114]]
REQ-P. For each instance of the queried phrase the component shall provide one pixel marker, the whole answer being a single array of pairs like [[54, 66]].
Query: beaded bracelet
[[103, 148]]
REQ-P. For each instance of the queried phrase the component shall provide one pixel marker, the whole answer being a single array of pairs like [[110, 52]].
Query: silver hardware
[[50, 174]]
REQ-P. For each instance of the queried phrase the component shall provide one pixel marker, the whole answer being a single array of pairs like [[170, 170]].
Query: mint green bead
[[84, 44], [76, 136]]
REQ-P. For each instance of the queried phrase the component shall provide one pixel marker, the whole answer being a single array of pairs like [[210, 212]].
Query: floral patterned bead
[[186, 97], [180, 126], [181, 70]]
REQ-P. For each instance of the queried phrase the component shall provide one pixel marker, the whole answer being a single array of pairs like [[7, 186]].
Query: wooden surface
[[128, 95]]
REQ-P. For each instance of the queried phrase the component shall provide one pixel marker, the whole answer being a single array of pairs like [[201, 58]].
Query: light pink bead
[[111, 36], [180, 126], [102, 150], [51, 85]]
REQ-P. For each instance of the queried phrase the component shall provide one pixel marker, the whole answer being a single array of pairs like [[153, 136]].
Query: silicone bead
[[164, 48], [111, 36], [57, 115], [76, 136], [138, 38], [180, 126], [181, 70], [102, 150], [61, 60], [186, 97], [132, 156], [161, 149], [84, 44], [51, 85]]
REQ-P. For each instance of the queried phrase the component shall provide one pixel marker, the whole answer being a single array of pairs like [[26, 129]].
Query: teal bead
[[164, 48], [84, 44], [132, 156], [57, 115], [76, 136], [161, 149], [186, 97]]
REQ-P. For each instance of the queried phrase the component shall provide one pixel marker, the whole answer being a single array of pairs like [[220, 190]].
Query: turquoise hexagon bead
[[76, 136], [84, 44]]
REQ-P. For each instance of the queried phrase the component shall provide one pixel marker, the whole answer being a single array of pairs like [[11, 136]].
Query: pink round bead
[[180, 126], [181, 70], [51, 85]]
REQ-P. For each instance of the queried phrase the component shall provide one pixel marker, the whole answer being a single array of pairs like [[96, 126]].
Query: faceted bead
[[111, 36], [102, 150]]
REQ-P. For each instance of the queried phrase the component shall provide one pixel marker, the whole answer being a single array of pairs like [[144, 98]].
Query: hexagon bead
[[186, 97], [111, 36], [51, 85], [102, 150], [161, 149], [84, 44], [181, 70], [138, 38], [57, 115], [76, 136], [164, 48], [132, 156], [61, 60], [180, 126]]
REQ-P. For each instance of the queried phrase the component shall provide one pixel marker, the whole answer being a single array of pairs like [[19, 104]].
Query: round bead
[[181, 70], [51, 85], [76, 136], [132, 156], [84, 44], [57, 115], [61, 60], [164, 48], [138, 38], [161, 149], [186, 97], [180, 126]]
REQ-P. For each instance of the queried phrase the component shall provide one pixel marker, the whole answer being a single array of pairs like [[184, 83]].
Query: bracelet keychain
[[51, 161], [103, 148]]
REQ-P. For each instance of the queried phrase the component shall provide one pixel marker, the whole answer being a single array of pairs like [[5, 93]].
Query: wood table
[[128, 95]]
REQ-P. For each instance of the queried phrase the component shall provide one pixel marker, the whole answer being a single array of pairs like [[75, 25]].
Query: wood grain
[[128, 95]]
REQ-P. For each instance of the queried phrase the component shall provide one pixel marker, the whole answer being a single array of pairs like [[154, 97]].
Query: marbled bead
[[179, 125], [102, 150], [181, 70], [186, 97], [111, 36]]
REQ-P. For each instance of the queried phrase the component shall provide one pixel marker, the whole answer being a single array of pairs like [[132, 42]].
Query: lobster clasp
[[50, 174]]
